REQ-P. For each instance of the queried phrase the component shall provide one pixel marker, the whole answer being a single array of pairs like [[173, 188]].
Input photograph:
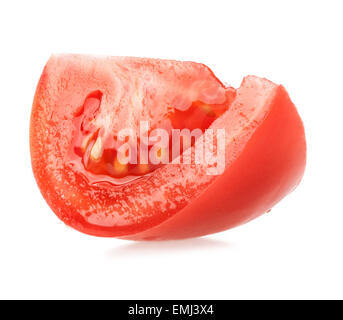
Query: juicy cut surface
[[148, 94]]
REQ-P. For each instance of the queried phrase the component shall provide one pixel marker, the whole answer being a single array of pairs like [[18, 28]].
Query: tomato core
[[100, 157]]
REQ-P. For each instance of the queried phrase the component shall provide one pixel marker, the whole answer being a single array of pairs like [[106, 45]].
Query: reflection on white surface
[[168, 247]]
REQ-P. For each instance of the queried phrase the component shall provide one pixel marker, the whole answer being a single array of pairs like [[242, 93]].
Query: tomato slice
[[82, 104]]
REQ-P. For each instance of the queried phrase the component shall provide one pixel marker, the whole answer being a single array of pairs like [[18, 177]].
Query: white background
[[293, 252]]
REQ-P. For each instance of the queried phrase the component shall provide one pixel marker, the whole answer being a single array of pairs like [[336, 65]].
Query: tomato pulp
[[83, 105]]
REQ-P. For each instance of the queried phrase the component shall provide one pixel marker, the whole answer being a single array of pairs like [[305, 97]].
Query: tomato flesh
[[82, 103]]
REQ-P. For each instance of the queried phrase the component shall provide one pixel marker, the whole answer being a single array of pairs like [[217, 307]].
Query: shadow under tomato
[[165, 247]]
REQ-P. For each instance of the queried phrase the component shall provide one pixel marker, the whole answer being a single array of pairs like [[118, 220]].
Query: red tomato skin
[[270, 167]]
